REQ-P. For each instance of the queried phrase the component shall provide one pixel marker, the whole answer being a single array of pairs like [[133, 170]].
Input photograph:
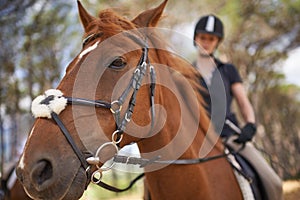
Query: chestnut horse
[[155, 103]]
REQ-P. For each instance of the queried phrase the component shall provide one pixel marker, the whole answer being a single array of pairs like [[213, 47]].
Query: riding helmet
[[209, 24]]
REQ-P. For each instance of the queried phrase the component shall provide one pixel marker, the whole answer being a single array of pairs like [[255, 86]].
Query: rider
[[223, 83], [207, 36]]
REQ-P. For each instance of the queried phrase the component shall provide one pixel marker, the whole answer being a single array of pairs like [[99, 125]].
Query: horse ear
[[150, 18], [85, 17]]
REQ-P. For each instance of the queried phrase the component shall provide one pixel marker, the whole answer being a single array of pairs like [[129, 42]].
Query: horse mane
[[184, 68]]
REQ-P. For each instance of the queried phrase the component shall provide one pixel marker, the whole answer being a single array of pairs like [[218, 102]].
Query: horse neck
[[186, 122], [183, 136]]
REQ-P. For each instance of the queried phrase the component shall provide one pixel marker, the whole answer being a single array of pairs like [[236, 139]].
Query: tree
[[11, 14], [31, 59]]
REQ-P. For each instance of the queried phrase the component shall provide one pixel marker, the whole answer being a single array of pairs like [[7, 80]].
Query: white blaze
[[91, 48], [21, 162]]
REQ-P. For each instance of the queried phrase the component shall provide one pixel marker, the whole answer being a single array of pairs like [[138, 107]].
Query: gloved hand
[[247, 133]]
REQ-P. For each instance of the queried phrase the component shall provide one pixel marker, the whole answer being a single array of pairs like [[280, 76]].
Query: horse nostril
[[41, 175]]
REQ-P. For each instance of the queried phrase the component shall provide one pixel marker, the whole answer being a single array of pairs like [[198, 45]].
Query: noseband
[[54, 102]]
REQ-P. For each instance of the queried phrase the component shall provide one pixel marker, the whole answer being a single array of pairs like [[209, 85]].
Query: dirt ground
[[291, 190]]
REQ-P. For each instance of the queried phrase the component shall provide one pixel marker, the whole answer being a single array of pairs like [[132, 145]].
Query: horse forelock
[[109, 23]]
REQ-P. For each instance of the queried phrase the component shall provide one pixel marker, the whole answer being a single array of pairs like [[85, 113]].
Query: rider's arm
[[243, 102]]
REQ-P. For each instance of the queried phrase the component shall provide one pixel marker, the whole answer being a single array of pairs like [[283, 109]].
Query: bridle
[[87, 159]]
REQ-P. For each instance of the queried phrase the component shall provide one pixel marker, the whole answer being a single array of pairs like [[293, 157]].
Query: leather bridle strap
[[114, 189], [143, 162], [134, 84], [87, 102], [70, 140]]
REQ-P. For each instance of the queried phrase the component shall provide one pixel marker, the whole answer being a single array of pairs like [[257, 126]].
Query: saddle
[[248, 179], [264, 182]]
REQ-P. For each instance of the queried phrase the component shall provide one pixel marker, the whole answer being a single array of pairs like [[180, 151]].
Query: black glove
[[247, 133]]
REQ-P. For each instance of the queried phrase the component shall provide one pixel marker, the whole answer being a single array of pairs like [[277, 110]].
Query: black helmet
[[209, 24]]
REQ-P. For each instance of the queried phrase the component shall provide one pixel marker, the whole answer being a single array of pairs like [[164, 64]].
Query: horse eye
[[118, 63]]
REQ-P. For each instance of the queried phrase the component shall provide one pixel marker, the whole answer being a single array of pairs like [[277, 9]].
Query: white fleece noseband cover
[[51, 101]]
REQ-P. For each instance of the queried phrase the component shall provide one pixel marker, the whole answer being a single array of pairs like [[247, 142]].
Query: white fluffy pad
[[55, 103]]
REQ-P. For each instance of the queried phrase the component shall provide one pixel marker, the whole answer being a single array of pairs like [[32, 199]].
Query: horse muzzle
[[46, 180]]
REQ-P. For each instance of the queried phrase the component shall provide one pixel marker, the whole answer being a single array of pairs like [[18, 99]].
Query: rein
[[144, 162]]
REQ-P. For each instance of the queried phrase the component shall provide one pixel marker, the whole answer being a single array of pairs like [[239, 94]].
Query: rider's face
[[208, 42]]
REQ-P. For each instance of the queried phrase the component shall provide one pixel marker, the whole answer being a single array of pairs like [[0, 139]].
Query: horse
[[11, 188], [124, 87]]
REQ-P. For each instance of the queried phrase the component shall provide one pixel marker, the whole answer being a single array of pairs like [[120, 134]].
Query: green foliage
[[31, 58]]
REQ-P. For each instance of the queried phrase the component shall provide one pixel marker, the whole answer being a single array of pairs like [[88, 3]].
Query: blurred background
[[38, 38]]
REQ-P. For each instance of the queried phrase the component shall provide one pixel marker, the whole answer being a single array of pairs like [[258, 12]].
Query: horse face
[[49, 168]]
